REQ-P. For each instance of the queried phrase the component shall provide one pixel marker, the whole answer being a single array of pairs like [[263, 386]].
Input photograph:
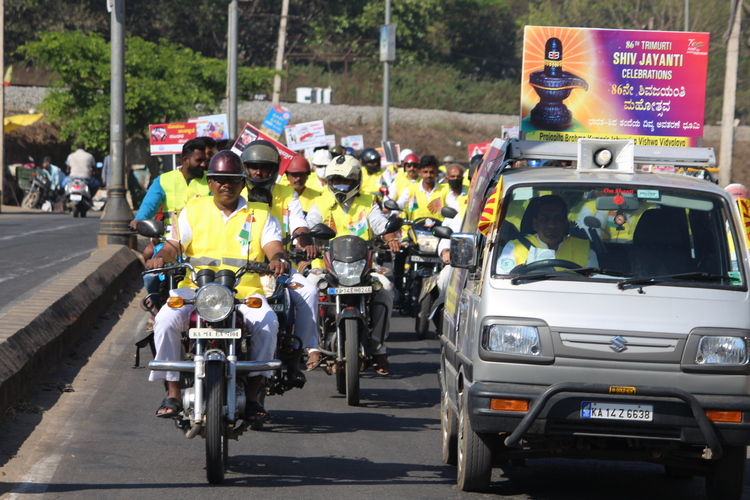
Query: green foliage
[[164, 83]]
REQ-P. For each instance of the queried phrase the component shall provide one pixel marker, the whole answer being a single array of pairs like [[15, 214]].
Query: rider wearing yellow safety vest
[[550, 241], [222, 231], [372, 174], [426, 198], [348, 212]]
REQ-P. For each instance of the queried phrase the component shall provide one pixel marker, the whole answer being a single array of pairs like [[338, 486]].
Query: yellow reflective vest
[[418, 202], [371, 183], [177, 192], [217, 245], [572, 249], [354, 223]]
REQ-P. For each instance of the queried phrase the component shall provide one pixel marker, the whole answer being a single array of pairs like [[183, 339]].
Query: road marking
[[23, 272], [55, 229]]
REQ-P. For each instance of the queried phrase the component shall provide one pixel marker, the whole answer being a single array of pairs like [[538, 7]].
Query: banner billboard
[[649, 86]]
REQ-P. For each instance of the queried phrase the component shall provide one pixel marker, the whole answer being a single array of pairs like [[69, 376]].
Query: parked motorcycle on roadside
[[78, 196], [347, 290], [40, 190], [216, 358]]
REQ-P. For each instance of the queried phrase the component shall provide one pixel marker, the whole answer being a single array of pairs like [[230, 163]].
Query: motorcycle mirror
[[150, 228], [393, 225], [448, 212], [443, 232], [392, 206], [322, 232], [384, 191]]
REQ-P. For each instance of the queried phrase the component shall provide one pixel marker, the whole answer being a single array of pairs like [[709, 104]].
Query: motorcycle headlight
[[349, 273], [427, 242], [722, 351], [511, 339], [214, 302]]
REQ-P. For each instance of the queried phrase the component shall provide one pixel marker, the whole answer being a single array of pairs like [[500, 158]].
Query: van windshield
[[624, 233]]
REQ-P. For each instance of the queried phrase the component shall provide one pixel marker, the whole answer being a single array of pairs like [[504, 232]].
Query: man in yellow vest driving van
[[551, 240], [221, 228]]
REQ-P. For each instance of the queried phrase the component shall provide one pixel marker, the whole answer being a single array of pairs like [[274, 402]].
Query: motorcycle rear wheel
[[423, 318], [215, 427], [351, 328]]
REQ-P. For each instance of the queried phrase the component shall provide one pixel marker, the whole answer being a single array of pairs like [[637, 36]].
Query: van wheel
[[727, 476], [474, 454], [448, 431]]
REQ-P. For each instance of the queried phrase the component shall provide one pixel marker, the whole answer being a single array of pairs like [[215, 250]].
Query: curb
[[39, 333]]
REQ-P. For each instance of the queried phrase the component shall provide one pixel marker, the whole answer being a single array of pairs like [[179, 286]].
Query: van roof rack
[[568, 151]]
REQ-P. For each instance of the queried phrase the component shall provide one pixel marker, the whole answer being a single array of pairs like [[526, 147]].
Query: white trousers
[[305, 301], [170, 323]]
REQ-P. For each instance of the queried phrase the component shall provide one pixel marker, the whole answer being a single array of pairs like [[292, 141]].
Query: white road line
[[51, 230], [23, 272]]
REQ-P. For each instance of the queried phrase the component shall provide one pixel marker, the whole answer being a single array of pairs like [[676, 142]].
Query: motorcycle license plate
[[615, 411], [277, 307], [431, 260], [346, 290], [215, 333], [75, 197]]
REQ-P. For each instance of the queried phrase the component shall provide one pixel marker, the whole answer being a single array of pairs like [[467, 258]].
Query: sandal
[[172, 404], [314, 359], [254, 412], [382, 364], [296, 378]]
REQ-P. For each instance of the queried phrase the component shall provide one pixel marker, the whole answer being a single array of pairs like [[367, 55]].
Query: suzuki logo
[[618, 344]]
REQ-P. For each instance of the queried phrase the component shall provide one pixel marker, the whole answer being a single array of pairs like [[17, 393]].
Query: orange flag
[[491, 209]]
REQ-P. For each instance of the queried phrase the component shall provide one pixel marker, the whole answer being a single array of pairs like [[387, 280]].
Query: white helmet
[[346, 167], [321, 158], [404, 153]]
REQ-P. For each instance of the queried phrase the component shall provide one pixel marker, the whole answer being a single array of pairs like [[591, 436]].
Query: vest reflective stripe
[[571, 249], [218, 245], [177, 191], [416, 206], [354, 223]]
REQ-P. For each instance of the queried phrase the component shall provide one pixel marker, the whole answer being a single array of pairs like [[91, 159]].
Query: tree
[[164, 83]]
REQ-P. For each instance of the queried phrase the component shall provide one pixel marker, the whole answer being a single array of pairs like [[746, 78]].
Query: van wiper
[[583, 271], [695, 276]]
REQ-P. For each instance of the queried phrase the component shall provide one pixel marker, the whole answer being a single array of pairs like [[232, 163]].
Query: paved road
[[36, 246], [102, 440]]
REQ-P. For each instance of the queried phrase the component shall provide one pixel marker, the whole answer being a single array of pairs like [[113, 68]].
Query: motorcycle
[[78, 196], [216, 347], [347, 290], [422, 268], [40, 190], [431, 301]]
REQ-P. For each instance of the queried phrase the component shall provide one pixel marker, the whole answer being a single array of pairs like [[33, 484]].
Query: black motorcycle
[[347, 290], [40, 190]]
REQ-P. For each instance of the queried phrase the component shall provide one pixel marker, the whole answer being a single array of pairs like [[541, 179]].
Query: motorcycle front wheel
[[215, 428], [423, 318], [30, 200], [351, 328]]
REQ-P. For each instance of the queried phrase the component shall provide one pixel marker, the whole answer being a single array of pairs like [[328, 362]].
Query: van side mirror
[[464, 250]]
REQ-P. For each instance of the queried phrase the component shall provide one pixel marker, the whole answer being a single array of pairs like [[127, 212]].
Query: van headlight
[[214, 302], [721, 351], [349, 273], [512, 339]]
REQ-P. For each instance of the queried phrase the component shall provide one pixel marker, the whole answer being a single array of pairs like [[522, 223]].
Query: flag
[[491, 209]]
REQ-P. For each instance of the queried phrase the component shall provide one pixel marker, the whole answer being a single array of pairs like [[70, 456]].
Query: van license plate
[[215, 333], [614, 411], [345, 290]]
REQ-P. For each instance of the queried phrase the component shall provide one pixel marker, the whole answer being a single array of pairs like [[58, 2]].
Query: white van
[[604, 315]]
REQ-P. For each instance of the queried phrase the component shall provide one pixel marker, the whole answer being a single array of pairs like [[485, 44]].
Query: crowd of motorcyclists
[[222, 210]]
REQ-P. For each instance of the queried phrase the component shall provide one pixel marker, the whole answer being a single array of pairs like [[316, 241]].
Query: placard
[[250, 133], [649, 86], [305, 135], [168, 138]]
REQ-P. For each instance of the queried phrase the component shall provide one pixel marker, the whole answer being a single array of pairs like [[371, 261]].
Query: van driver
[[551, 240]]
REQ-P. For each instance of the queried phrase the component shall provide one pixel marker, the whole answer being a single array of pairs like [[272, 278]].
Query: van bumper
[[555, 412]]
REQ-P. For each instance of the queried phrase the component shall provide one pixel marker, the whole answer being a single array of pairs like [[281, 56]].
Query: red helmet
[[298, 165], [226, 163], [411, 158]]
